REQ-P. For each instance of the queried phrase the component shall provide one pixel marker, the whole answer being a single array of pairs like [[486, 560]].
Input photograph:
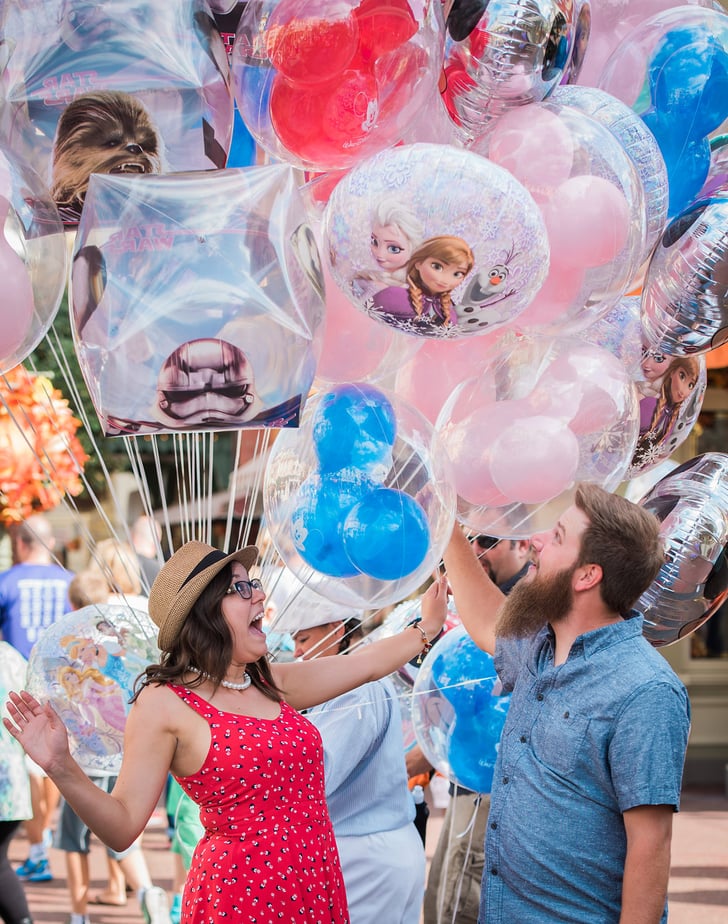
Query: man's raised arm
[[477, 599]]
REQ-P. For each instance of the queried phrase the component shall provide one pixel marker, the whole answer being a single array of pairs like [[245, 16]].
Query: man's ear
[[587, 576]]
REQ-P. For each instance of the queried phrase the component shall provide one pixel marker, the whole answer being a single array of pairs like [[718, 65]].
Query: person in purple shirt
[[34, 594], [34, 591], [589, 770]]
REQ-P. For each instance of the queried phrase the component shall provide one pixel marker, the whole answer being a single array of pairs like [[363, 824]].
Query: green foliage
[[43, 359]]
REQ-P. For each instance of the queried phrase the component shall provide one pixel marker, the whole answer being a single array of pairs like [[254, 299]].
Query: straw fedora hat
[[181, 581]]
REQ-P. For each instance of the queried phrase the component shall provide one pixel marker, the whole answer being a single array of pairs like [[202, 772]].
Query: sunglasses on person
[[245, 588], [485, 543]]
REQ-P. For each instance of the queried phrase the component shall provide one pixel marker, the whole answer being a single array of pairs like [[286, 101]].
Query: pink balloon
[[581, 383], [17, 293], [588, 222], [470, 445], [554, 298], [355, 348], [534, 145], [534, 460], [428, 379]]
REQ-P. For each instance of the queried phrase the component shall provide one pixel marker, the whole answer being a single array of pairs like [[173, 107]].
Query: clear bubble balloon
[[639, 144], [457, 712], [123, 86], [592, 201], [544, 414], [323, 84], [612, 24], [197, 300], [435, 241], [33, 259], [685, 292], [691, 504], [673, 71], [85, 665], [383, 523]]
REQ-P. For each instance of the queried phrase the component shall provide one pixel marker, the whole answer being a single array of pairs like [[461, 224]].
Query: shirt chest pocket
[[558, 736]]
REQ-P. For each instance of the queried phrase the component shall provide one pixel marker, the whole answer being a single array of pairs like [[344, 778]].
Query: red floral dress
[[268, 853]]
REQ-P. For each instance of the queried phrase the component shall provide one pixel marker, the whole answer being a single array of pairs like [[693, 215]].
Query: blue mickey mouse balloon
[[317, 520], [354, 427], [458, 713], [386, 534]]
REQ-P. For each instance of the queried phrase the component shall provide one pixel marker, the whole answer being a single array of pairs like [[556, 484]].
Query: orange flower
[[41, 458]]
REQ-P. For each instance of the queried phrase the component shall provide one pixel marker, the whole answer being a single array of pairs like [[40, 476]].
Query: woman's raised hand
[[434, 606], [38, 728]]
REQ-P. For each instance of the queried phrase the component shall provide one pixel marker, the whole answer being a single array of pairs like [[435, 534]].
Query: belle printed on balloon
[[436, 241]]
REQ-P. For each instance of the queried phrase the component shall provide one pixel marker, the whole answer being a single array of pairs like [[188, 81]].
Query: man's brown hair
[[624, 540]]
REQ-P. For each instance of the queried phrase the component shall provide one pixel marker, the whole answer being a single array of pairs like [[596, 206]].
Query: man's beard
[[532, 604]]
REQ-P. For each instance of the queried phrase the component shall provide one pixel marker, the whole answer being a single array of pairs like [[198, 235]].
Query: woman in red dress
[[226, 723]]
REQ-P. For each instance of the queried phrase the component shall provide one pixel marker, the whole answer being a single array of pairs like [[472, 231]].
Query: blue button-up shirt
[[583, 742]]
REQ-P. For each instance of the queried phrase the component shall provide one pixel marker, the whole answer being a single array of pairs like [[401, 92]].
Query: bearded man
[[590, 766]]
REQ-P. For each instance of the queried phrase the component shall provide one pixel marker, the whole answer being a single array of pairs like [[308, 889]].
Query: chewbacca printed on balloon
[[100, 132]]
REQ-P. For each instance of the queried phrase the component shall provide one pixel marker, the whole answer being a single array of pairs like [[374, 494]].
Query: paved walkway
[[698, 882]]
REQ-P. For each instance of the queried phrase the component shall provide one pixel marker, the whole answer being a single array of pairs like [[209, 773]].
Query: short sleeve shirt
[[583, 742], [32, 597]]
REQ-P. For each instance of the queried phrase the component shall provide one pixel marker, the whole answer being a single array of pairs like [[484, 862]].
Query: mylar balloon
[[685, 293], [671, 397], [325, 83], [197, 298], [515, 53], [85, 665], [124, 86], [33, 258], [369, 533], [543, 415], [435, 241], [457, 712], [692, 505]]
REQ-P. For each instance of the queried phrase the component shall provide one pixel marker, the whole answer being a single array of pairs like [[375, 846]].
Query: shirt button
[[539, 697], [566, 714], [524, 739], [494, 872], [505, 779], [494, 825]]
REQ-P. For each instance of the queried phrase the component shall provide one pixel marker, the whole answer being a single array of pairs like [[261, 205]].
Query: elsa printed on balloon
[[672, 395], [454, 245]]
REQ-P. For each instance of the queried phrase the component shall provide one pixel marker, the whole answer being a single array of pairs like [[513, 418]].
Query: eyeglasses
[[245, 588], [485, 543]]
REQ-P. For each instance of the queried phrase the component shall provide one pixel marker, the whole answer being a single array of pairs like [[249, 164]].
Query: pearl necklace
[[228, 684]]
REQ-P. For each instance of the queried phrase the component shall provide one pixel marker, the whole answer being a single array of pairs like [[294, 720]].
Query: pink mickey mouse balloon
[[543, 415]]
